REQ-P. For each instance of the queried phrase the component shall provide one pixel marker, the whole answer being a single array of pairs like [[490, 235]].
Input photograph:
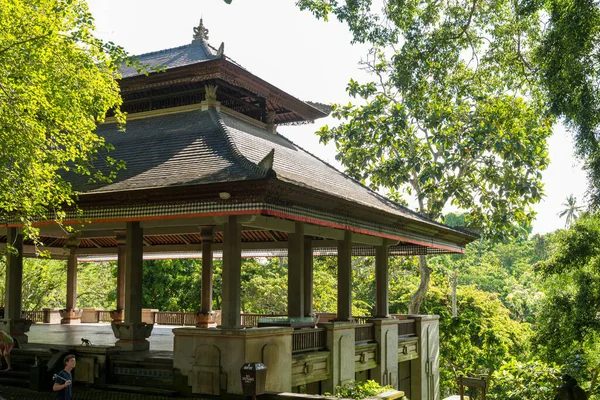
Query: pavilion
[[206, 171]]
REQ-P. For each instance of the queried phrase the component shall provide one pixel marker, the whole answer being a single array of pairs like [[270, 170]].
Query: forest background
[[526, 308]]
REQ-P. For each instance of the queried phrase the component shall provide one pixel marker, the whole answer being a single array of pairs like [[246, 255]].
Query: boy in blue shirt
[[63, 380]]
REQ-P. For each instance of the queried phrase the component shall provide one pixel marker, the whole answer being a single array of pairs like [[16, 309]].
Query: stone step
[[139, 390], [14, 378], [146, 381]]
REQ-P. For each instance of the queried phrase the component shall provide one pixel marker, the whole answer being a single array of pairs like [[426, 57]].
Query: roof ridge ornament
[[200, 33]]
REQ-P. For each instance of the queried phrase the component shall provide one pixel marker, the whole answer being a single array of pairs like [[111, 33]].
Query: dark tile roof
[[186, 148], [295, 165], [172, 58], [200, 147]]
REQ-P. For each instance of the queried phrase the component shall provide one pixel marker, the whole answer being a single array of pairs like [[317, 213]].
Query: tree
[[172, 285], [568, 328], [571, 210], [532, 380], [567, 63], [57, 81], [479, 340], [451, 116], [551, 45]]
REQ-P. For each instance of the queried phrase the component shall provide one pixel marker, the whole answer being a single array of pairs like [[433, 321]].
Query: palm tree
[[571, 210]]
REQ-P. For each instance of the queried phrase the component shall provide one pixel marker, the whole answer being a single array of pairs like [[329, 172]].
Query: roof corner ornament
[[210, 98], [221, 50], [200, 33], [267, 161], [210, 93]]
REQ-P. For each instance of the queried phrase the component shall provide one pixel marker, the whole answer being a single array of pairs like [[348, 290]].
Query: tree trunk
[[417, 298]]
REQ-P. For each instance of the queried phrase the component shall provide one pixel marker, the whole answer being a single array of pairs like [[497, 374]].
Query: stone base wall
[[208, 360]]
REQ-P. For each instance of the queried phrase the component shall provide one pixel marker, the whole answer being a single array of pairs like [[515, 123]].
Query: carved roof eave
[[272, 190], [229, 72], [340, 206]]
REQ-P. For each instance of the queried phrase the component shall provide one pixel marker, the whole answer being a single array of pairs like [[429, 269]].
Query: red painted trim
[[358, 230], [250, 212]]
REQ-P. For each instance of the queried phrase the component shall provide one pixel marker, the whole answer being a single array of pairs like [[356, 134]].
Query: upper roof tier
[[177, 77]]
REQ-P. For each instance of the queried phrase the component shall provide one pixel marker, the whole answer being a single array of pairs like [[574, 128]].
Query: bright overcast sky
[[309, 59]]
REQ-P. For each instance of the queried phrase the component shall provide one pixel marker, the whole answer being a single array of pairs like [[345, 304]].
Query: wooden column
[[72, 278], [71, 314], [232, 268], [308, 277], [132, 333], [381, 282], [296, 272], [206, 232], [14, 275], [121, 236], [344, 308], [12, 322], [133, 272]]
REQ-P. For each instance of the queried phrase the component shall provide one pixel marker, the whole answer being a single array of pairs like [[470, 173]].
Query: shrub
[[532, 380], [359, 390]]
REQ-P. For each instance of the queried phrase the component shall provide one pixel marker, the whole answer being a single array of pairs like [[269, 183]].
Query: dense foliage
[[568, 328], [533, 48], [57, 81]]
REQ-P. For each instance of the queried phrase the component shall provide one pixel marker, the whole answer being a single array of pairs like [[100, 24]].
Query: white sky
[[309, 59]]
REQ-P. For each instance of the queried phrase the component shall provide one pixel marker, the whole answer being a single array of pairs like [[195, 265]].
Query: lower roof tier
[[191, 164]]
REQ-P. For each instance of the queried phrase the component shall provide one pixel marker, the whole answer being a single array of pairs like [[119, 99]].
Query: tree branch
[[24, 41]]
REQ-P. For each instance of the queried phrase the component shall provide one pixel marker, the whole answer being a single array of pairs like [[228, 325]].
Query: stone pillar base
[[342, 346], [16, 328], [206, 320], [132, 336], [71, 316], [386, 336], [117, 315]]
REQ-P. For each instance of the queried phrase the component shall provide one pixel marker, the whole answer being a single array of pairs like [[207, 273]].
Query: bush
[[533, 380], [359, 390]]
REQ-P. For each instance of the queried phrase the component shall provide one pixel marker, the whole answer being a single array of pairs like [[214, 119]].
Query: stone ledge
[[389, 395], [244, 332]]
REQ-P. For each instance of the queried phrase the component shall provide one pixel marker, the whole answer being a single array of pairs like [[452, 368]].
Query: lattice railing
[[35, 316], [407, 327], [175, 318], [309, 340], [252, 319], [104, 316], [364, 333]]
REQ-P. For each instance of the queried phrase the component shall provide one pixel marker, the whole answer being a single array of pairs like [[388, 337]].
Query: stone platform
[[99, 334]]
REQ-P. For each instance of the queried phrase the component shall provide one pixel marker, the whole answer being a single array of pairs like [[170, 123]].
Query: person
[[63, 380], [6, 345], [570, 390]]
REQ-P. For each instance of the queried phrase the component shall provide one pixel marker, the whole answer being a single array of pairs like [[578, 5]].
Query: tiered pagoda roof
[[192, 154]]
